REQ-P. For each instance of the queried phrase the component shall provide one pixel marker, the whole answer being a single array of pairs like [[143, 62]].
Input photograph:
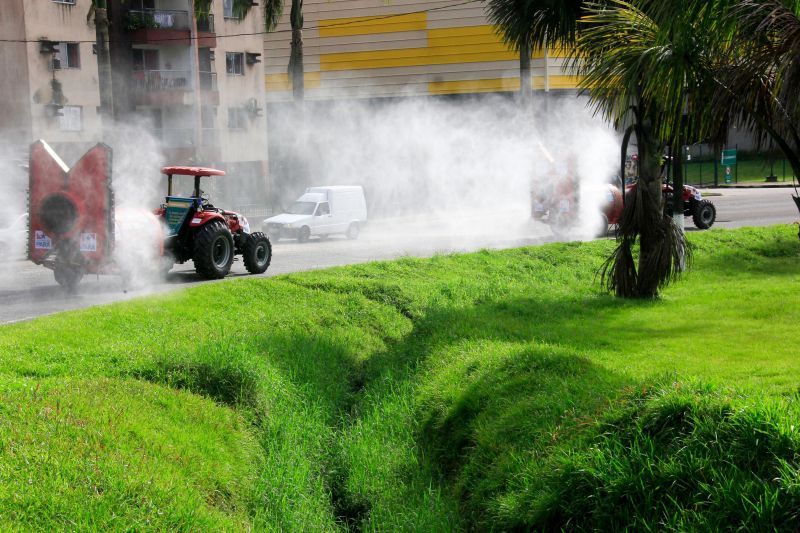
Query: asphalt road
[[28, 290]]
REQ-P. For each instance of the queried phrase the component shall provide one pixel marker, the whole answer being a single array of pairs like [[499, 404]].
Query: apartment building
[[48, 84], [196, 83], [374, 49]]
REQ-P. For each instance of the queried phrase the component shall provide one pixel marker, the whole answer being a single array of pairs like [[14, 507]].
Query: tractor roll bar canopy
[[197, 172]]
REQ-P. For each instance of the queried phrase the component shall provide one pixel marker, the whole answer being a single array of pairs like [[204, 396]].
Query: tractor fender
[[204, 217]]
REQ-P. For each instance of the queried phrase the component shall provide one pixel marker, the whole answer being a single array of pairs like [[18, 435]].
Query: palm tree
[[646, 67], [273, 9], [760, 77], [98, 11], [525, 24]]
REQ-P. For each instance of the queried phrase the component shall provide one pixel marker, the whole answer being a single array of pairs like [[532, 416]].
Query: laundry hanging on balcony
[[164, 20]]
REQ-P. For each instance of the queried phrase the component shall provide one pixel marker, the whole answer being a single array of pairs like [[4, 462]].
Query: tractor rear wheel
[[257, 253], [704, 214], [602, 228], [213, 250]]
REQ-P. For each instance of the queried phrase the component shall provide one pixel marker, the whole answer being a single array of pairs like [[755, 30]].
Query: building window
[[227, 9], [234, 63], [142, 5], [71, 118], [144, 59], [207, 116], [67, 56], [237, 119]]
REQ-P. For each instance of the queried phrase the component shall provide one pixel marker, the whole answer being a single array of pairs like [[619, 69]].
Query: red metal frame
[[87, 186]]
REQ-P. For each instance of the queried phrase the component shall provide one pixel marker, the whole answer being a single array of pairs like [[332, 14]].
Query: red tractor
[[560, 207], [208, 235], [74, 228], [703, 212]]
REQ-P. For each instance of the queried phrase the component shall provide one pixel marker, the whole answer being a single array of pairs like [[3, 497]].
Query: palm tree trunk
[[651, 212], [677, 183], [525, 74], [643, 219], [296, 58], [104, 64]]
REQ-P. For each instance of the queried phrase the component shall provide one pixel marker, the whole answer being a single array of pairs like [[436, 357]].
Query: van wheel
[[352, 231], [304, 234]]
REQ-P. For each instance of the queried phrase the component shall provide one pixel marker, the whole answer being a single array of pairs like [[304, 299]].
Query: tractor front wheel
[[257, 253], [213, 250]]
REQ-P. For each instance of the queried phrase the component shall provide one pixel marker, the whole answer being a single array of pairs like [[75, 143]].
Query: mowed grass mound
[[495, 390]]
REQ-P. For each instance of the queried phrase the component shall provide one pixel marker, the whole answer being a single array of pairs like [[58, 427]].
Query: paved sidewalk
[[748, 185]]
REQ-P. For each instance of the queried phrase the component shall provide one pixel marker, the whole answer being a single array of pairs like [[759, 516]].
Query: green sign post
[[729, 161]]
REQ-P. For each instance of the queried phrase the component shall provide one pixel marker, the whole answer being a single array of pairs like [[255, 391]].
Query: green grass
[[459, 392], [751, 169]]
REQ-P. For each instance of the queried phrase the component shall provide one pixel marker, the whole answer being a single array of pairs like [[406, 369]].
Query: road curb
[[748, 186]]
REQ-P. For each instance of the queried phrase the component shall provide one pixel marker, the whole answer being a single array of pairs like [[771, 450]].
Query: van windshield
[[302, 208]]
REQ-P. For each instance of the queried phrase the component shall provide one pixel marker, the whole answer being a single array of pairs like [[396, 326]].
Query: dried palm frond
[[663, 249]]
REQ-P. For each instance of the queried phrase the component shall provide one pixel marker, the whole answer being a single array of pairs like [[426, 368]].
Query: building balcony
[[162, 80], [184, 137], [169, 28], [178, 144], [172, 87]]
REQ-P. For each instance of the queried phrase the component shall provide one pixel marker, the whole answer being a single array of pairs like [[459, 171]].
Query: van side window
[[323, 209]]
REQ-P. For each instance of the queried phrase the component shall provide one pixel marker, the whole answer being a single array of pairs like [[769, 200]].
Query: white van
[[321, 211]]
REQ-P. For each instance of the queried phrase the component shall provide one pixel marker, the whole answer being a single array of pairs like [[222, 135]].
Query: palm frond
[[535, 22], [273, 9]]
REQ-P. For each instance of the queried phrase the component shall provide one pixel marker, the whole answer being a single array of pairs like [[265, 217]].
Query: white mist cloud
[[138, 187], [474, 161]]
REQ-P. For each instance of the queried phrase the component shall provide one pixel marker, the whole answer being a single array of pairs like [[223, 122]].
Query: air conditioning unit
[[211, 55], [252, 107], [48, 47], [253, 58], [53, 110], [55, 64]]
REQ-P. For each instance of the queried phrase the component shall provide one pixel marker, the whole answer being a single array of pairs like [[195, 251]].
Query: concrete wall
[[368, 48], [249, 144], [14, 86], [62, 22]]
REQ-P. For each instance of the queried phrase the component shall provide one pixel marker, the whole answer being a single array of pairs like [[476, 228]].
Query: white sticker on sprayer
[[41, 241], [88, 242]]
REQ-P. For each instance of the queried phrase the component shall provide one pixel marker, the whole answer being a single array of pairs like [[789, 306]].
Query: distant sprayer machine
[[74, 228]]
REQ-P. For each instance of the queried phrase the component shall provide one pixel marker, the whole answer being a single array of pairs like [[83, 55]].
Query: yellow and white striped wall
[[376, 48]]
